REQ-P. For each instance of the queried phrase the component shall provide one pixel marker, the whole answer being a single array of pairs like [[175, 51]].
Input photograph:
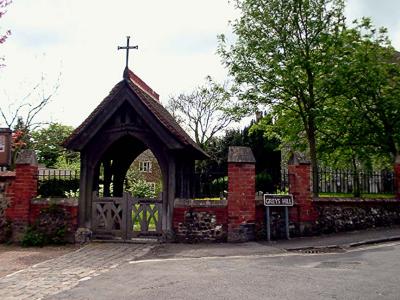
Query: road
[[365, 273]]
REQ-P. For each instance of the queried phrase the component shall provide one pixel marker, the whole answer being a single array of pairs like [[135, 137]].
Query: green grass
[[349, 195], [207, 199], [136, 222]]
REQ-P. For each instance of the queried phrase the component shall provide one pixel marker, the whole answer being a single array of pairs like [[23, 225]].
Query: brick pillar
[[300, 186], [241, 194], [21, 191], [397, 176]]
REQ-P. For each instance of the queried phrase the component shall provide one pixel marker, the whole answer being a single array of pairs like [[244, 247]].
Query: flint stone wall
[[278, 227], [68, 205], [344, 214], [200, 220]]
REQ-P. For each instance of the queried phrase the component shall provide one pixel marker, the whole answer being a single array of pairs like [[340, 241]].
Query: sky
[[73, 44]]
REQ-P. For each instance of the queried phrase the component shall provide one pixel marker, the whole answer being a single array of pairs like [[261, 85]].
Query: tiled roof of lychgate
[[164, 117], [150, 99]]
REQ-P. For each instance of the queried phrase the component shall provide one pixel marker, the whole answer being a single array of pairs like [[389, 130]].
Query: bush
[[57, 187], [50, 227], [264, 182], [5, 231], [33, 238]]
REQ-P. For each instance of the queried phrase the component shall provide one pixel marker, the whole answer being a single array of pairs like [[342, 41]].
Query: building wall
[[152, 175]]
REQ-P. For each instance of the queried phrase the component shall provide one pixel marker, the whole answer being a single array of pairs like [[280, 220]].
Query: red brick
[[300, 188], [241, 195]]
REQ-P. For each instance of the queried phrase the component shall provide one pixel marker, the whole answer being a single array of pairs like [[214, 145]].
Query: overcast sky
[[78, 39]]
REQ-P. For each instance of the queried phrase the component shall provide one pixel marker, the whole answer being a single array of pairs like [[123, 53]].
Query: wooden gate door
[[126, 218], [145, 217], [109, 217]]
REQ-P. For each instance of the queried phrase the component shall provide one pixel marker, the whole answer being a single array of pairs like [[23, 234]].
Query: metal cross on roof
[[127, 47]]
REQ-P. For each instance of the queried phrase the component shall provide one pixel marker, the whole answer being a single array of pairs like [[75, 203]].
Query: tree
[[206, 111], [23, 113], [21, 116], [265, 149], [364, 116], [283, 55], [3, 36], [47, 144]]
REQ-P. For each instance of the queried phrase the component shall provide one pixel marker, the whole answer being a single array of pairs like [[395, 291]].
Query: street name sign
[[278, 200]]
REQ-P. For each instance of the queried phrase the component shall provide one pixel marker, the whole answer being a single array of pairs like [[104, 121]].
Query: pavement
[[66, 272], [324, 243], [14, 258], [343, 239]]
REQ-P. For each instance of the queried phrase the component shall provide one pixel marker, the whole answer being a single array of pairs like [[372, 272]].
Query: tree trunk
[[356, 178], [313, 156]]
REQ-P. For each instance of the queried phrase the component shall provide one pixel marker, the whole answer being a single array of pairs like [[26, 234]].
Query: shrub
[[57, 187], [50, 227], [5, 231]]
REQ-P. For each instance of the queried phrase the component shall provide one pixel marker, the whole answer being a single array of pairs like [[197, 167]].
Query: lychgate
[[127, 122]]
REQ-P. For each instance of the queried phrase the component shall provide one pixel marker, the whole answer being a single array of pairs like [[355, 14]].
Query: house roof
[[150, 99]]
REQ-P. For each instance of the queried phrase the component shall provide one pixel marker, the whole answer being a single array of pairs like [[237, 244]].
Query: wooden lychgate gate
[[126, 217]]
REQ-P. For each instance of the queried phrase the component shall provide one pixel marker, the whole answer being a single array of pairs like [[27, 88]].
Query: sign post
[[272, 200]]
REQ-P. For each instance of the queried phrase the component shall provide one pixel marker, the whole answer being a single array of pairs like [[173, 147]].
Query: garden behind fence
[[59, 183]]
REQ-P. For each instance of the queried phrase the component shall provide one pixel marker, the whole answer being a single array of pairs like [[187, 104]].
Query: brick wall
[[21, 190]]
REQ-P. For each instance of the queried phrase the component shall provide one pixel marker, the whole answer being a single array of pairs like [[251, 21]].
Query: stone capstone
[[27, 157], [238, 154]]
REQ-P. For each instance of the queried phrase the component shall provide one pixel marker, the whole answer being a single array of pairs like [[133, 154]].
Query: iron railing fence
[[356, 182], [332, 181], [272, 181], [57, 182], [210, 185]]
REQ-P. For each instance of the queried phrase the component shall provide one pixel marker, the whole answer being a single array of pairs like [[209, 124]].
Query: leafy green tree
[[265, 149], [47, 144], [283, 54], [362, 123]]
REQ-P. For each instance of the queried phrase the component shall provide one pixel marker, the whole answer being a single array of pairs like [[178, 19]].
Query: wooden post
[[170, 199]]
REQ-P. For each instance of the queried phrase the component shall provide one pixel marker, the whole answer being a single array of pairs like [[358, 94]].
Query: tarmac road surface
[[371, 272]]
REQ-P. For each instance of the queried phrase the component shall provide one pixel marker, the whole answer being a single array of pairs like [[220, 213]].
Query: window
[[152, 186], [145, 166]]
